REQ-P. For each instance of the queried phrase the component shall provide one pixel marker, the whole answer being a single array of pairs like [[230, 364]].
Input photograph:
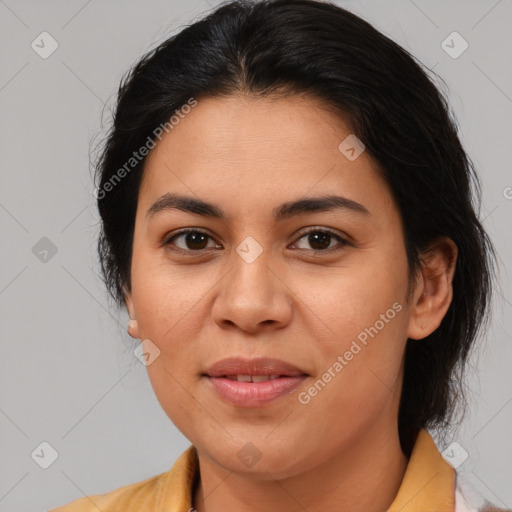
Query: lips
[[238, 366], [253, 382]]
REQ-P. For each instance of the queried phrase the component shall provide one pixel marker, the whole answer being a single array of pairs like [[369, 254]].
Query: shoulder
[[463, 503], [170, 490], [127, 498]]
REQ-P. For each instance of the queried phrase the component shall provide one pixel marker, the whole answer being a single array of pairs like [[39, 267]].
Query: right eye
[[193, 240]]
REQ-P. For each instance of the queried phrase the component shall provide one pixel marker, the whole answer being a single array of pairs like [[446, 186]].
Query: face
[[322, 287]]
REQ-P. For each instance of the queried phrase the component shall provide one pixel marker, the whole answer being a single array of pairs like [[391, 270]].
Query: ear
[[133, 326], [433, 292]]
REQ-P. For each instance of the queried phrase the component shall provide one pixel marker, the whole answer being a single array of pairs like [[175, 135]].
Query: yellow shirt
[[429, 485]]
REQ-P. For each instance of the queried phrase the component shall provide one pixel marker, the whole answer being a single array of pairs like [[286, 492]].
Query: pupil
[[320, 238], [192, 238]]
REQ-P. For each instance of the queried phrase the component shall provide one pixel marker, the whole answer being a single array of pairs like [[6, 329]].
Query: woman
[[287, 215]]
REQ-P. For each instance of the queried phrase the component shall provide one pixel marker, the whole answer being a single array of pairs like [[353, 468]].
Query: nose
[[253, 296]]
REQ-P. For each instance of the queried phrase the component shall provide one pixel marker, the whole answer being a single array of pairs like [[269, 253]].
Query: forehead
[[254, 151]]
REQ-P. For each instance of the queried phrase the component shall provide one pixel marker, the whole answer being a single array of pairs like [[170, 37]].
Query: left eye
[[321, 238], [195, 240]]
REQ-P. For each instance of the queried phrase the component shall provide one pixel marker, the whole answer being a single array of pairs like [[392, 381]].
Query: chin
[[261, 459]]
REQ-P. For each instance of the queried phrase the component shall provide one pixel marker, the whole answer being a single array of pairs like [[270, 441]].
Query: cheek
[[171, 314], [359, 377], [362, 318], [176, 395], [347, 299], [163, 295]]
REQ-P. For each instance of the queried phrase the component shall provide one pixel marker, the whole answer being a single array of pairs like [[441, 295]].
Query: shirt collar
[[428, 483]]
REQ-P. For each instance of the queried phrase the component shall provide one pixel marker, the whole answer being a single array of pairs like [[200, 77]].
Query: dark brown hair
[[264, 48]]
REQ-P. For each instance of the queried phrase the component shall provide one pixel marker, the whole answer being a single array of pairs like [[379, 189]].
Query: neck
[[364, 476]]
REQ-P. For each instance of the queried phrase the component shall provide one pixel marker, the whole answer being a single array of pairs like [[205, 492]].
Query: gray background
[[68, 374]]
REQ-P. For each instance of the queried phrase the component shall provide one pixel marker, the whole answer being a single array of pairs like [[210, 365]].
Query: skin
[[341, 450]]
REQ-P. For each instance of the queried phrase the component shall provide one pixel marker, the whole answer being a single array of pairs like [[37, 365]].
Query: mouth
[[252, 378], [253, 382], [239, 367]]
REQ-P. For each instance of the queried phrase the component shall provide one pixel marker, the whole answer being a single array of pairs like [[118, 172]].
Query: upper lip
[[257, 366]]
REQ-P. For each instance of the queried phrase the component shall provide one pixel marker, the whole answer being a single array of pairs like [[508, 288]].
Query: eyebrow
[[170, 201]]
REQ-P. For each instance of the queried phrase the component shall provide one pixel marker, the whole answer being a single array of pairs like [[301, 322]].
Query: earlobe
[[434, 291], [133, 326]]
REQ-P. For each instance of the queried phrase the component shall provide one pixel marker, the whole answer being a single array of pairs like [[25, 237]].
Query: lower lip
[[254, 394]]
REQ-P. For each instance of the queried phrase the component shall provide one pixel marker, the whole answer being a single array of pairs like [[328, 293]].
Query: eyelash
[[342, 241]]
